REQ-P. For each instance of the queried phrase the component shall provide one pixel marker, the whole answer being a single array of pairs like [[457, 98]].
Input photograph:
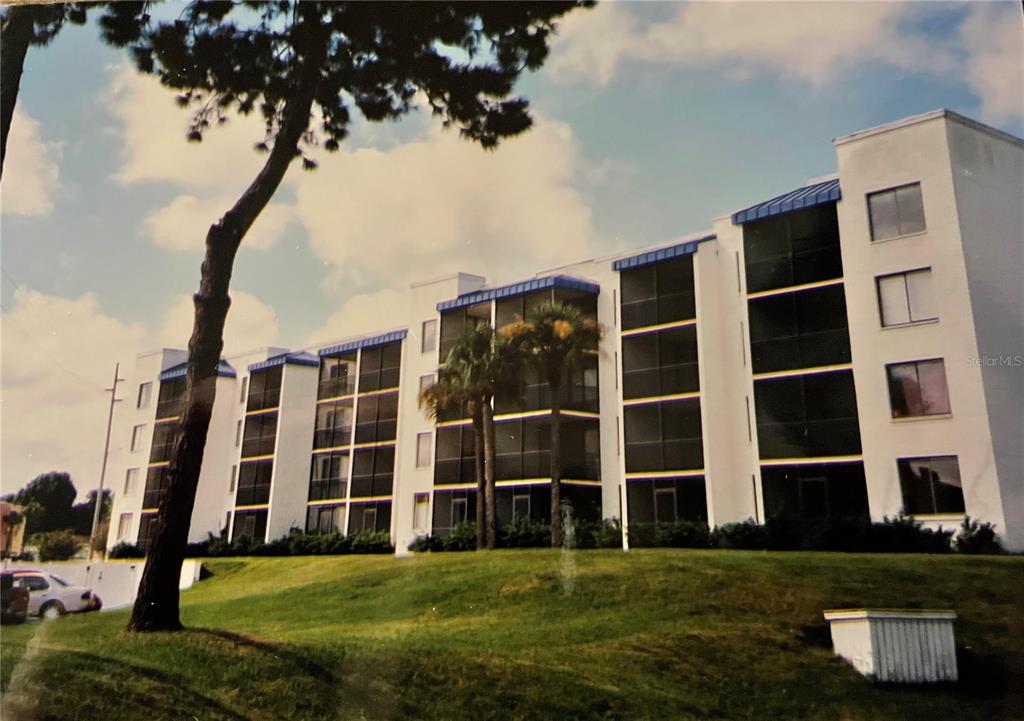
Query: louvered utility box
[[901, 646]]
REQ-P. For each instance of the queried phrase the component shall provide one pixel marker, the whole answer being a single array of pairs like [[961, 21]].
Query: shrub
[[745, 535], [903, 534], [520, 532], [427, 543], [682, 534], [126, 550], [57, 545], [371, 542], [608, 533], [976, 537], [461, 538]]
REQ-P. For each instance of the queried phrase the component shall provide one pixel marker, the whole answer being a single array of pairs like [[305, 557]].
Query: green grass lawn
[[653, 634]]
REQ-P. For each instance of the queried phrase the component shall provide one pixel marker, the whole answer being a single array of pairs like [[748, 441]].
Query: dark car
[[14, 598]]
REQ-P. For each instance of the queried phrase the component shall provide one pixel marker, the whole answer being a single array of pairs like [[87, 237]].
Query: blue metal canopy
[[808, 196], [520, 288], [300, 358], [656, 256], [224, 370], [363, 343]]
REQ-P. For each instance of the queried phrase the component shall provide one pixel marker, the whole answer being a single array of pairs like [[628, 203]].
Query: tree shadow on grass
[[302, 661]]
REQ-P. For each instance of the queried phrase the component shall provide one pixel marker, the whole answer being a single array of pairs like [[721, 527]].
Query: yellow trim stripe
[[370, 499], [333, 449], [336, 398], [508, 484], [803, 371], [375, 444], [168, 419], [250, 459], [795, 288], [660, 327], [327, 501], [660, 399], [521, 415], [158, 464], [456, 487], [772, 462], [149, 510], [665, 474], [254, 507], [454, 424], [580, 414], [263, 411], [380, 392]]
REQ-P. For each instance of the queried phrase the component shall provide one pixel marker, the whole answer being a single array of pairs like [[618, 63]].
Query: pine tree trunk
[[489, 460], [16, 34], [156, 606], [556, 465], [481, 486]]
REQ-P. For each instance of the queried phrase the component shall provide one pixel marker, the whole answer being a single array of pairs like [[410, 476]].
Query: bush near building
[[57, 545]]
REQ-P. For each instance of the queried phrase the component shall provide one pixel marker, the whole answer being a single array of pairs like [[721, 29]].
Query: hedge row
[[521, 533], [294, 544]]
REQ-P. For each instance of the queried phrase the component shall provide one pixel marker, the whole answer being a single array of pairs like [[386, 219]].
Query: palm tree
[[485, 365], [12, 519], [554, 338], [440, 400]]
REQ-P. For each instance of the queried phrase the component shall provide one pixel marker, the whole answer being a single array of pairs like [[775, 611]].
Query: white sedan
[[50, 596]]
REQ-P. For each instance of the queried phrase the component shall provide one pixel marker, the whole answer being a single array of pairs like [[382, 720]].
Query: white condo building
[[852, 348]]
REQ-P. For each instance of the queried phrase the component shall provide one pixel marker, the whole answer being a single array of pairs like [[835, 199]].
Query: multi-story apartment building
[[850, 348]]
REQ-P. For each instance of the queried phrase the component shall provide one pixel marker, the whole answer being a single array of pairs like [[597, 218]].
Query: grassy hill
[[654, 634]]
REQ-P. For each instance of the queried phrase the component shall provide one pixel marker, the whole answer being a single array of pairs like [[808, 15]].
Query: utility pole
[[106, 451]]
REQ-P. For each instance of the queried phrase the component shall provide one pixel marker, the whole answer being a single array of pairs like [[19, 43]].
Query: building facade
[[852, 348]]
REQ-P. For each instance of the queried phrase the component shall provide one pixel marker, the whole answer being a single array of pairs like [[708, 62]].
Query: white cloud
[[251, 324], [182, 224], [808, 42], [993, 36], [440, 204], [153, 132], [31, 169], [361, 315], [57, 357]]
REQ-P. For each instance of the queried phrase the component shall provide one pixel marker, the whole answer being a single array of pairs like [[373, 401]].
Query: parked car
[[51, 596], [13, 598]]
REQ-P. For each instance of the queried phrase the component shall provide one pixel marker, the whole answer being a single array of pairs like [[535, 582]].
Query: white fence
[[901, 646], [115, 582]]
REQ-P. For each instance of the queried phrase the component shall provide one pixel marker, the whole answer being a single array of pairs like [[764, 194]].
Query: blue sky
[[651, 120]]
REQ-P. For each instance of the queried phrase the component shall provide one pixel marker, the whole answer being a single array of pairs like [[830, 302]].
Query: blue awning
[[808, 196], [521, 288], [656, 256], [224, 370], [370, 342], [299, 358]]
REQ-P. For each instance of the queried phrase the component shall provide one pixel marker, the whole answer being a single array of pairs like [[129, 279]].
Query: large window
[[660, 293], [260, 435], [453, 322], [931, 485], [147, 529], [666, 500], [378, 367], [337, 376], [329, 476], [377, 418], [373, 470], [163, 442], [264, 389], [250, 524], [452, 508], [905, 298], [658, 364], [328, 518], [792, 249], [170, 398], [807, 416], [664, 436], [333, 424], [369, 517], [523, 449], [896, 212], [805, 329], [254, 483], [918, 388], [454, 460], [157, 481], [815, 491]]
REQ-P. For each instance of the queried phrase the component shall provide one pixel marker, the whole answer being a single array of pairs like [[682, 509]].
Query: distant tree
[[47, 501], [12, 519], [555, 337], [56, 545], [287, 60], [82, 512]]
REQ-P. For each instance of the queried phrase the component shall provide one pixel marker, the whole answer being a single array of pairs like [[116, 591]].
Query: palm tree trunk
[[16, 34], [156, 606], [481, 486], [556, 465], [489, 460]]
